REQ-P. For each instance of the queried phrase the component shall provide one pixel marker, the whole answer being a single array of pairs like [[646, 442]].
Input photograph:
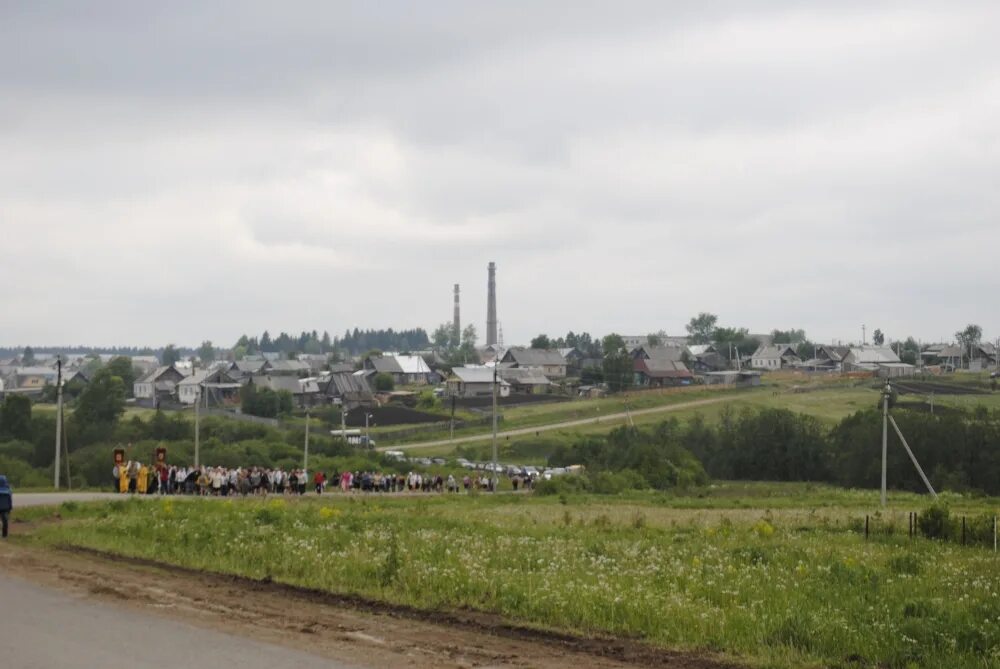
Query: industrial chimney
[[456, 323], [491, 306]]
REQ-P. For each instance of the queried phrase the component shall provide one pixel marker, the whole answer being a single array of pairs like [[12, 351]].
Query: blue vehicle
[[6, 503]]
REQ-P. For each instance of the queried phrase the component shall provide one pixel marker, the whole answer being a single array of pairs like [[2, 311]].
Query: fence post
[[866, 527], [994, 534], [963, 530]]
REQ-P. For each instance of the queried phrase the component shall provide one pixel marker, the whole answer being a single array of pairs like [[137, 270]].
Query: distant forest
[[353, 342], [16, 351]]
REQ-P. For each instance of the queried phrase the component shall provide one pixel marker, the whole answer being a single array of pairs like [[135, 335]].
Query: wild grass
[[778, 580]]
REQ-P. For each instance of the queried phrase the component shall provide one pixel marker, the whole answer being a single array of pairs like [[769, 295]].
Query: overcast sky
[[179, 171]]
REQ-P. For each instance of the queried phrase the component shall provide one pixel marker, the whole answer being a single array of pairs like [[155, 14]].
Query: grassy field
[[777, 575], [829, 400]]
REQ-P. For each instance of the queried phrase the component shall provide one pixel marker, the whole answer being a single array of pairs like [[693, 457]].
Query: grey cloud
[[195, 170]]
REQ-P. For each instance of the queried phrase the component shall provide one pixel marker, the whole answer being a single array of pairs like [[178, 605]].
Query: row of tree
[[959, 450]]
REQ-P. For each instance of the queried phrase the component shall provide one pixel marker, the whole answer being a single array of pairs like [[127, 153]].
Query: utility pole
[[451, 436], [305, 456], [885, 437], [863, 335], [59, 412], [496, 364], [197, 426]]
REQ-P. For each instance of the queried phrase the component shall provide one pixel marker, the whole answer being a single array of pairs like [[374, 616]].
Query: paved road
[[45, 629], [41, 498], [609, 419]]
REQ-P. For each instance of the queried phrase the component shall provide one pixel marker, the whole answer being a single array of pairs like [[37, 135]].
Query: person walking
[[142, 480], [6, 503], [123, 479]]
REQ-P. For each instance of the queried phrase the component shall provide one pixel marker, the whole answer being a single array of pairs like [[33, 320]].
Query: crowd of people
[[138, 478]]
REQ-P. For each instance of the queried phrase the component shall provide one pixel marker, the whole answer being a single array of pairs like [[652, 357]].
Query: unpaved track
[[44, 628], [609, 419], [353, 631]]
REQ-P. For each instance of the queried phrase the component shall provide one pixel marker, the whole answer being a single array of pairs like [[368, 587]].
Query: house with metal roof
[[774, 357], [880, 360], [404, 369], [547, 362], [305, 392], [475, 382], [27, 379], [285, 368], [528, 380]]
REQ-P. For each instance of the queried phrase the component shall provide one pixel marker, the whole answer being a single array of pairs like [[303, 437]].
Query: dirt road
[[52, 628], [118, 600], [608, 419]]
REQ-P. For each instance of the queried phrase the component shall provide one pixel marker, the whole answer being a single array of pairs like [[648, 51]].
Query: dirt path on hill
[[609, 419], [351, 630]]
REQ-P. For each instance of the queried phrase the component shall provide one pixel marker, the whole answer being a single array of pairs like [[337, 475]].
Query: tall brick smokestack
[[491, 306], [456, 322]]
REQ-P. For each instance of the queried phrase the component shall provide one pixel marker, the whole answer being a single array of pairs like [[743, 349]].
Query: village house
[[524, 380], [774, 357], [27, 379], [242, 369], [881, 360], [347, 390], [159, 384], [284, 368], [214, 385], [475, 382], [305, 392], [545, 361], [404, 369], [660, 372], [574, 360]]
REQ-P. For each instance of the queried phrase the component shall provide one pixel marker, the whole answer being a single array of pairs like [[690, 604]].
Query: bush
[[563, 485], [935, 522], [384, 382], [611, 483]]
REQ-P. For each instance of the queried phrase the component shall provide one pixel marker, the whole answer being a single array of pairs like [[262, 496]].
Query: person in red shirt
[[319, 479]]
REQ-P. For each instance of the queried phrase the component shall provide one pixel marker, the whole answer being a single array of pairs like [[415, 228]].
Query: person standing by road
[[6, 503]]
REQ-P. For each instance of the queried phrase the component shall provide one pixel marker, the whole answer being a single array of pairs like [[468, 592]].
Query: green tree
[[910, 353], [792, 336], [701, 328], [206, 352], [28, 357], [878, 337], [541, 341], [121, 366], [15, 417], [617, 365], [969, 338], [384, 382], [170, 355], [469, 338], [442, 337], [103, 400]]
